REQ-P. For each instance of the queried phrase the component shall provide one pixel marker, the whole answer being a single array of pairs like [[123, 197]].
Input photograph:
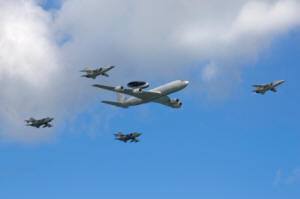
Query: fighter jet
[[139, 96], [96, 72], [37, 123], [261, 89], [125, 137]]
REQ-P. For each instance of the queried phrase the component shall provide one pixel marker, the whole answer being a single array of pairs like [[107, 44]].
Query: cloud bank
[[28, 66], [156, 40], [294, 176]]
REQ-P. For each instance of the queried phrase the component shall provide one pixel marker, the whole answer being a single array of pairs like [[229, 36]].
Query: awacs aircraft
[[38, 123], [261, 89], [125, 137], [139, 96], [94, 73]]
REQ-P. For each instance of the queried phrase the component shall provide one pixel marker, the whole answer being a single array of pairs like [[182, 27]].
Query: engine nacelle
[[137, 90], [176, 103], [119, 88]]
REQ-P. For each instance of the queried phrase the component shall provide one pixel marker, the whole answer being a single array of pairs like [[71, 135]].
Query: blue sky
[[241, 146]]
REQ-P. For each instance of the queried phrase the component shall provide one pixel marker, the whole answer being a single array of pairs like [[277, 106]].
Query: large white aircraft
[[139, 96]]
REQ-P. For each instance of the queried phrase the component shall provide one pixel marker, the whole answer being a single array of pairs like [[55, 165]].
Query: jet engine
[[137, 90], [119, 88], [176, 103]]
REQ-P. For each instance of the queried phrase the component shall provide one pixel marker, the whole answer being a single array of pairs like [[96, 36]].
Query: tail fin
[[119, 104], [121, 98], [120, 101], [31, 119]]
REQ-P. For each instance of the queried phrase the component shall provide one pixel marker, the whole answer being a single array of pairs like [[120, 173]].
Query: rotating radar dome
[[138, 84]]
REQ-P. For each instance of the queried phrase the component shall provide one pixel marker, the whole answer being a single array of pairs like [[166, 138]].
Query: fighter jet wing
[[141, 94], [258, 86], [37, 125], [86, 69]]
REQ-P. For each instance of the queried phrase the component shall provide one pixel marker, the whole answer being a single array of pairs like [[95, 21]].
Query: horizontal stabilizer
[[105, 74], [262, 92], [274, 90], [115, 103]]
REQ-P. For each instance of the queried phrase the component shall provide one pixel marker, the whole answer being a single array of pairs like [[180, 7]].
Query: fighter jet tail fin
[[115, 104], [30, 120]]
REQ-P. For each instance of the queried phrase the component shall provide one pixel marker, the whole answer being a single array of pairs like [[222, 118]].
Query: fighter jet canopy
[[138, 84]]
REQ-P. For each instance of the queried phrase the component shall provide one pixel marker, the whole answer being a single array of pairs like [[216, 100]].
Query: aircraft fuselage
[[165, 89]]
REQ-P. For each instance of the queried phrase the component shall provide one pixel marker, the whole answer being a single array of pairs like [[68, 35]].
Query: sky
[[224, 142]]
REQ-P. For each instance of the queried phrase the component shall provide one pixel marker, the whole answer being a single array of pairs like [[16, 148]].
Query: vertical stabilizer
[[121, 98]]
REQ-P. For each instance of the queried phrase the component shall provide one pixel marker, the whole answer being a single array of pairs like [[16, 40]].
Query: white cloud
[[277, 178], [170, 35], [151, 40], [34, 78], [28, 66], [294, 176], [254, 26]]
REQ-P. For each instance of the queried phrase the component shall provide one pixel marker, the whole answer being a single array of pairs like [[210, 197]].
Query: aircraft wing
[[165, 100], [258, 86], [37, 125], [85, 70], [141, 94]]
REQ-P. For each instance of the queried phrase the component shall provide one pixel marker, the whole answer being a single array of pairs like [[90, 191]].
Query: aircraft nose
[[186, 82]]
